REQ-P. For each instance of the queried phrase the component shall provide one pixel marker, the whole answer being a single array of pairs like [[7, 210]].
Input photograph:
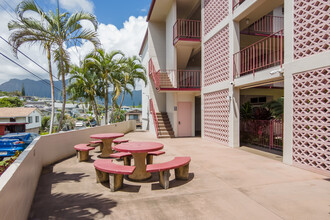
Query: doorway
[[184, 119]]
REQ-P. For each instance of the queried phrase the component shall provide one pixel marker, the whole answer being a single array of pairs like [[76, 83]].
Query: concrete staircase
[[165, 82], [164, 126]]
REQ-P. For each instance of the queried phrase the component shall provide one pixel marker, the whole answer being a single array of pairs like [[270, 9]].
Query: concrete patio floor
[[224, 183]]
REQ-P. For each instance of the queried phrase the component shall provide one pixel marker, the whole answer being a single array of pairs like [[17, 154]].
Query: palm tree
[[54, 32], [276, 107], [32, 31], [83, 83], [133, 70], [108, 66], [70, 33]]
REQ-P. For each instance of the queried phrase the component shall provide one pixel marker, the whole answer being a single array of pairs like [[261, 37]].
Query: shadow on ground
[[73, 206]]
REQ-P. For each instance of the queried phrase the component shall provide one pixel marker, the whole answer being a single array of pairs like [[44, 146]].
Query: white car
[[80, 124]]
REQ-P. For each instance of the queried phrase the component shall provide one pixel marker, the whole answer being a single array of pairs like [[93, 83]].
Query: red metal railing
[[175, 79], [189, 78], [269, 24], [184, 29], [263, 133], [237, 3], [260, 55], [154, 116]]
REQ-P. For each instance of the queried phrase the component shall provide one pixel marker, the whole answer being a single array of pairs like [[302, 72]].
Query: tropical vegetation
[[54, 32]]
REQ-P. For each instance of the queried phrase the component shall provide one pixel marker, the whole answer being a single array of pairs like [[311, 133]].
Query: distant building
[[19, 120], [135, 115]]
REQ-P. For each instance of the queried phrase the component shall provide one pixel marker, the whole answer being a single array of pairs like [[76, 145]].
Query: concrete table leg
[[140, 172], [164, 179], [115, 181], [82, 155], [101, 177], [182, 173], [127, 161], [107, 149]]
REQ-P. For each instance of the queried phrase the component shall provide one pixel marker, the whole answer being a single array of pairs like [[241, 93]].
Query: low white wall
[[18, 184]]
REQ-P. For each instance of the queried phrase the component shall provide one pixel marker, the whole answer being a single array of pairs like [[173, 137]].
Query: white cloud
[[76, 5], [127, 39]]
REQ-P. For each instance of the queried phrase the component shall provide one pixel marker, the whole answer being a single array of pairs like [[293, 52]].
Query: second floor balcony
[[186, 30], [261, 55], [188, 80]]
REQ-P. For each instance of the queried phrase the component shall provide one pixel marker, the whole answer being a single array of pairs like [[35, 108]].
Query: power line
[[9, 5], [28, 71], [7, 11], [29, 58]]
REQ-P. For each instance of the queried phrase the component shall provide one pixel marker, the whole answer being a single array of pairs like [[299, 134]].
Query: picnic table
[[107, 139], [139, 151]]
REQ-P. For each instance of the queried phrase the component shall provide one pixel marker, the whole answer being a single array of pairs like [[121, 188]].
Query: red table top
[[138, 147], [106, 136]]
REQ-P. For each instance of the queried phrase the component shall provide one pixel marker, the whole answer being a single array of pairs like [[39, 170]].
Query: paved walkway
[[224, 183]]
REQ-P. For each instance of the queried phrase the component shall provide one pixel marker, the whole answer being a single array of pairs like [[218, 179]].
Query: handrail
[[263, 54], [154, 116], [187, 30]]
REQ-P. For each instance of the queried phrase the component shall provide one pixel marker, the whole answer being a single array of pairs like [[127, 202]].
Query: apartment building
[[214, 63]]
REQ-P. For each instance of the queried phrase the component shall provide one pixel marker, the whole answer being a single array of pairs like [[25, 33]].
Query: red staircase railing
[[154, 116], [237, 3], [189, 30], [260, 55]]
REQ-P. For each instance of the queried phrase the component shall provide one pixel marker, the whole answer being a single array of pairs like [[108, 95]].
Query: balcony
[[188, 80], [46, 182], [187, 30], [261, 55], [265, 26]]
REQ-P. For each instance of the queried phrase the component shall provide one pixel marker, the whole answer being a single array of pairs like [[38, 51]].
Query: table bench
[[106, 170], [83, 151], [126, 156], [180, 164], [151, 154], [96, 143], [119, 141]]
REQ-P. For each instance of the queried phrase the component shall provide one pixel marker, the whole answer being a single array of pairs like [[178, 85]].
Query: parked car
[[12, 142], [79, 124]]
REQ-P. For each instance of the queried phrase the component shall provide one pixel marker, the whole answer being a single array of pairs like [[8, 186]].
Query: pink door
[[184, 119]]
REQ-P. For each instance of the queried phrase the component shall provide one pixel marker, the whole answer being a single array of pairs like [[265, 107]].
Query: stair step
[[165, 136]]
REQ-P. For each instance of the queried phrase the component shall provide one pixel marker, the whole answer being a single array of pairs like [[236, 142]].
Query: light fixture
[[247, 21]]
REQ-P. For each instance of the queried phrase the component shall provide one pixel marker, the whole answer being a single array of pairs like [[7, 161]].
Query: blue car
[[12, 142]]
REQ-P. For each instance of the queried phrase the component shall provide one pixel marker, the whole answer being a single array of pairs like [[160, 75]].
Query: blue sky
[[122, 26], [110, 11]]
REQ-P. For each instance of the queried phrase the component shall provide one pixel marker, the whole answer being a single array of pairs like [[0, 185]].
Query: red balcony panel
[[263, 54], [187, 30]]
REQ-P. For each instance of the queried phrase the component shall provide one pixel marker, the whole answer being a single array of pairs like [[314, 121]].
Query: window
[[133, 117], [30, 119], [37, 119]]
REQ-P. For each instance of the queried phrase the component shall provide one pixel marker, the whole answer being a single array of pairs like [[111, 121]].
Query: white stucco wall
[[170, 49], [34, 124], [145, 89]]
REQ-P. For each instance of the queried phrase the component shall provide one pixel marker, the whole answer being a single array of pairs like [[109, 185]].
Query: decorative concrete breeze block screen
[[311, 27], [214, 12], [216, 58], [216, 116], [311, 122]]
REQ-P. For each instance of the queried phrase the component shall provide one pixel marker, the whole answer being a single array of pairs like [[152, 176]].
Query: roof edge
[[143, 42], [150, 9]]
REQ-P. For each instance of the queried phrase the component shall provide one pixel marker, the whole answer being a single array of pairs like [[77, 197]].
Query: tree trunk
[[64, 101], [106, 105], [122, 100], [52, 89], [95, 111]]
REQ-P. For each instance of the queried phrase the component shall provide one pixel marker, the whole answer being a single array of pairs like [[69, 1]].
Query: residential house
[[19, 120], [134, 115], [208, 58]]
